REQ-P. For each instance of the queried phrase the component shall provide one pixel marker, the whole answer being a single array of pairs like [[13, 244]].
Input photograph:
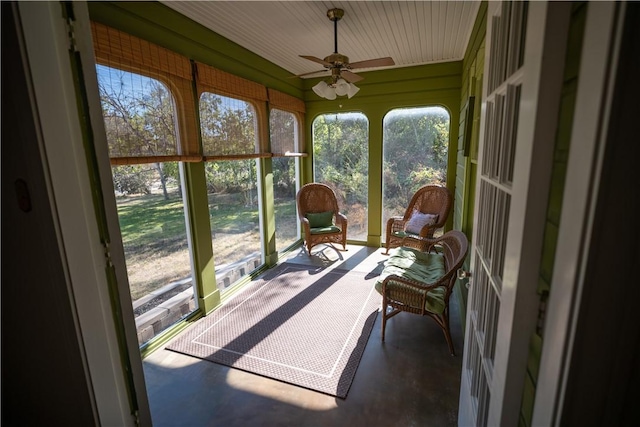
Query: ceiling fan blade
[[370, 63], [350, 77], [318, 60], [309, 73]]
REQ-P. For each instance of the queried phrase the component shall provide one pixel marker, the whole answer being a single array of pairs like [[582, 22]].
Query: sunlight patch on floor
[[177, 360], [282, 392]]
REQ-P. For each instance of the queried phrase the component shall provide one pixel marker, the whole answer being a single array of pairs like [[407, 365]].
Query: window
[[415, 151], [140, 122], [155, 141], [229, 129], [341, 160], [284, 132]]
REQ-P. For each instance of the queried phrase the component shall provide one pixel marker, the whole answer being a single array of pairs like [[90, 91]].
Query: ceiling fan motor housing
[[337, 60]]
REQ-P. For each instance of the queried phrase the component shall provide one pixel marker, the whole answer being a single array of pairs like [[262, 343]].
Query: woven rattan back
[[431, 199], [315, 198], [318, 198]]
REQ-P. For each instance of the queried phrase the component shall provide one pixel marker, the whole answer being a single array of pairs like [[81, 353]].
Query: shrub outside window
[[415, 152], [341, 160]]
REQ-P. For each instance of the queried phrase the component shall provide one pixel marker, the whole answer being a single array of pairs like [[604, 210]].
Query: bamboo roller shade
[[114, 46], [118, 49], [281, 100], [284, 144], [124, 161], [237, 90], [210, 79], [283, 139]]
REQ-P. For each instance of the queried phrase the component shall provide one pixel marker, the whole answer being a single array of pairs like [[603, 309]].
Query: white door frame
[[547, 32], [601, 43], [541, 77], [47, 47]]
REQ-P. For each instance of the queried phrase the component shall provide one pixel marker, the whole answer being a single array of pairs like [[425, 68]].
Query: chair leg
[[447, 334], [384, 318]]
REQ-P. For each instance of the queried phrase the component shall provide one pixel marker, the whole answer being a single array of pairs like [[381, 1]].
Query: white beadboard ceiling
[[411, 32]]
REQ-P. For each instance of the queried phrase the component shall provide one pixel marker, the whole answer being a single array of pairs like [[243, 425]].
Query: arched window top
[[339, 128], [139, 114], [416, 142], [352, 115], [228, 126], [433, 110]]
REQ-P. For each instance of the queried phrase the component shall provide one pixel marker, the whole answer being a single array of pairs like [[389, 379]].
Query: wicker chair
[[402, 294], [321, 219], [430, 199]]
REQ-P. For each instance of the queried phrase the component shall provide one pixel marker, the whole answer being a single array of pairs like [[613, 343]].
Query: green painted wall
[[561, 154], [466, 165]]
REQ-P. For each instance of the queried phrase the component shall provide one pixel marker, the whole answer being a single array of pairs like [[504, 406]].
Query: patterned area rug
[[301, 325]]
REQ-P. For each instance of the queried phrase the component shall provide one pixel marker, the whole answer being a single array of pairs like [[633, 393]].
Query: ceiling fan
[[342, 78]]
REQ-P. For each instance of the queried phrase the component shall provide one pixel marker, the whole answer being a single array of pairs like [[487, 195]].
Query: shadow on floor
[[411, 379]]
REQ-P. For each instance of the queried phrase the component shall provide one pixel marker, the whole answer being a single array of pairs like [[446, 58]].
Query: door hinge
[[71, 33], [542, 312], [107, 254]]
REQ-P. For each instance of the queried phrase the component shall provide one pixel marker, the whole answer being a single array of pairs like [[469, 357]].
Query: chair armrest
[[341, 219], [395, 223], [306, 226], [428, 230]]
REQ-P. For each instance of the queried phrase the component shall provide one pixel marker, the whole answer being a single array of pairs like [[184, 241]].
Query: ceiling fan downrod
[[335, 15]]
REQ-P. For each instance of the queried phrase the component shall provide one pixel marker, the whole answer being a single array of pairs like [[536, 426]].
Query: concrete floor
[[410, 380]]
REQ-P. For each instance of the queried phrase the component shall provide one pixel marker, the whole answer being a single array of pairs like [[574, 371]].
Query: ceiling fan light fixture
[[353, 89], [324, 90], [342, 87], [331, 90], [320, 88], [330, 93]]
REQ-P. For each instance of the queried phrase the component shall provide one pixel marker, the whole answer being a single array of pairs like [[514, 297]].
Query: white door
[[521, 94]]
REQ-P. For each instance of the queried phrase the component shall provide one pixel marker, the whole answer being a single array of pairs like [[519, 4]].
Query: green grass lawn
[[155, 242], [144, 218]]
